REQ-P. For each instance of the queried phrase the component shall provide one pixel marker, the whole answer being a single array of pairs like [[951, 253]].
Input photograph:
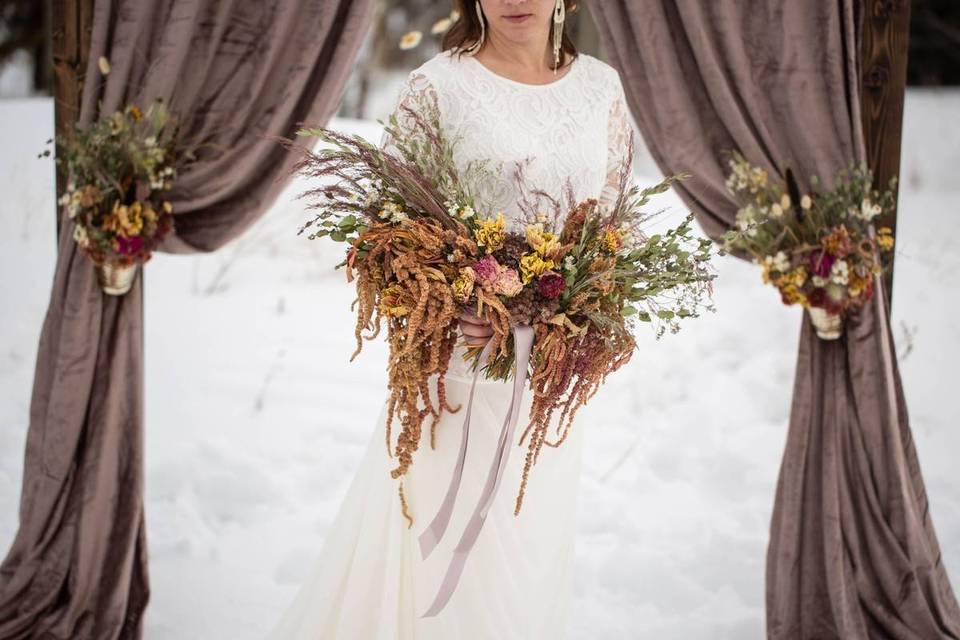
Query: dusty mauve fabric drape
[[852, 553], [235, 72]]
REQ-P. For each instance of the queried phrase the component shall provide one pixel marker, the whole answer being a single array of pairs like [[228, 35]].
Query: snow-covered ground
[[255, 421]]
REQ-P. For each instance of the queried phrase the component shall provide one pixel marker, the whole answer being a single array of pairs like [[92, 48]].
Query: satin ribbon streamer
[[523, 343]]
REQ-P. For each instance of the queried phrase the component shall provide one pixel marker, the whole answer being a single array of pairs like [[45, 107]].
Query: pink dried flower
[[508, 282], [487, 270]]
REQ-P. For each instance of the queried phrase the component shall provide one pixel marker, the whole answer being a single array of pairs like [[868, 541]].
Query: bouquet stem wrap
[[523, 344]]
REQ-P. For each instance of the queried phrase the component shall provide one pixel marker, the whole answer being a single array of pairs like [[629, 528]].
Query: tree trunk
[[883, 50], [71, 22]]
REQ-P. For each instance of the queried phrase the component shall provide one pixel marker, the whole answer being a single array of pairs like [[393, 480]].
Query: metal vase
[[829, 326], [114, 279]]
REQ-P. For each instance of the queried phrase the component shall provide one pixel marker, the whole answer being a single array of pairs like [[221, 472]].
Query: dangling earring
[[559, 15], [472, 49]]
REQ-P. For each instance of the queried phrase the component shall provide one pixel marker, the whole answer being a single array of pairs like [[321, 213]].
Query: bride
[[513, 88]]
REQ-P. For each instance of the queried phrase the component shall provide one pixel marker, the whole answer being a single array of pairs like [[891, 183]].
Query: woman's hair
[[466, 30]]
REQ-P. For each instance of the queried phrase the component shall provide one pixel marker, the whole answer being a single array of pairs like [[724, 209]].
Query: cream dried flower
[[410, 40]]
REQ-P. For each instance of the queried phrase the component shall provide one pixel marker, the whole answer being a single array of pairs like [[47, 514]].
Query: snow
[[255, 420]]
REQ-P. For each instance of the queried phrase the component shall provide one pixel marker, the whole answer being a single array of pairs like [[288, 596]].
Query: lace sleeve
[[620, 141], [416, 87]]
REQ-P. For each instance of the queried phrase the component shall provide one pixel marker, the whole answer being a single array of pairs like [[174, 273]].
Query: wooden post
[[71, 25], [883, 51]]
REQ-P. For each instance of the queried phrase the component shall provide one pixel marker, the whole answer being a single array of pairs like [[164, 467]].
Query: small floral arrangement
[[820, 250], [423, 249], [119, 169]]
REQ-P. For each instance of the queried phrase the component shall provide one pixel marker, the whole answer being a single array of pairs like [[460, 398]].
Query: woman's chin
[[518, 34]]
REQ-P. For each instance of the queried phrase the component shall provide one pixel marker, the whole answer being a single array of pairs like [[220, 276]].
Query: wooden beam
[[883, 51], [71, 23]]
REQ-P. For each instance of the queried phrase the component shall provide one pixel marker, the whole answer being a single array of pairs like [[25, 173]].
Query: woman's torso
[[558, 132], [560, 127]]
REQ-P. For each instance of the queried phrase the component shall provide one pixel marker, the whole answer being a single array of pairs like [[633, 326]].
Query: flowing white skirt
[[370, 582]]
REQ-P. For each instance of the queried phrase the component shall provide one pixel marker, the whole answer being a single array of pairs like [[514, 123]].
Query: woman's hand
[[476, 331]]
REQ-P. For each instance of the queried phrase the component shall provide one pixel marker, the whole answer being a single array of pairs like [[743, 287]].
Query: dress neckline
[[574, 64]]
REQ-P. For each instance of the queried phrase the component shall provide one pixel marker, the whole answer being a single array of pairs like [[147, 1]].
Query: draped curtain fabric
[[852, 551], [236, 73]]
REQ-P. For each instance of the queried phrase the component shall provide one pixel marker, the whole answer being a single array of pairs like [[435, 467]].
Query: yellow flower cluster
[[796, 278], [127, 220], [612, 240], [463, 285], [857, 284], [543, 242], [533, 265], [793, 295], [489, 234], [545, 247], [885, 238]]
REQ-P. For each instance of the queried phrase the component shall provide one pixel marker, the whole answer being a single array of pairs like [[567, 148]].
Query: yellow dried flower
[[532, 265], [795, 277], [410, 40], [463, 285], [793, 295], [765, 273], [612, 240], [490, 233], [543, 242], [885, 238], [124, 220]]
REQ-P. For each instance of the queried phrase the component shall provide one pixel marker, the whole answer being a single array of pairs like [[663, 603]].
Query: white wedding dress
[[370, 582]]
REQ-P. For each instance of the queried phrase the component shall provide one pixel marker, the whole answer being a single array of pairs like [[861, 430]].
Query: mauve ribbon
[[523, 343]]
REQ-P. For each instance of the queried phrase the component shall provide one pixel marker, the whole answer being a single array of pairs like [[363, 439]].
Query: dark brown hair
[[466, 30]]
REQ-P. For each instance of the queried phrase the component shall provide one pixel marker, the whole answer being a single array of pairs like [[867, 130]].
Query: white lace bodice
[[575, 128]]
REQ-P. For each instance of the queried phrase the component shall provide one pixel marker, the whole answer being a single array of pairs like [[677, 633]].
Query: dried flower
[[489, 234], [486, 270], [463, 285], [551, 285], [820, 263], [840, 272], [885, 238], [80, 236], [837, 242], [410, 40], [440, 26], [612, 240], [869, 210], [507, 283], [532, 265], [543, 242]]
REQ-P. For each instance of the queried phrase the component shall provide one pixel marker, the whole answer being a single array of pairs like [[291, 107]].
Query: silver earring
[[559, 15], [472, 49]]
